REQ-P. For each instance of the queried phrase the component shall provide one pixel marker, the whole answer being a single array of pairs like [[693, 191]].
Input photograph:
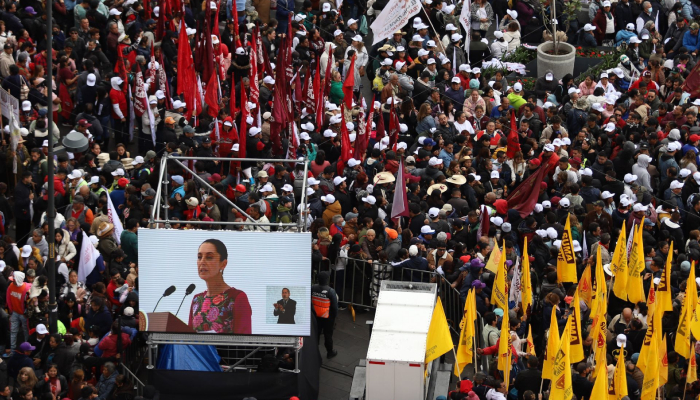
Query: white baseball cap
[[676, 185], [338, 180], [370, 199], [606, 195]]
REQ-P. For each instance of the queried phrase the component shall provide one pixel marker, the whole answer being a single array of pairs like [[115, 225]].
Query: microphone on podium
[[188, 292], [167, 293]]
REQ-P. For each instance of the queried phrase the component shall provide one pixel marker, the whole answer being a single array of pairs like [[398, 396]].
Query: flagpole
[[434, 30], [455, 354]]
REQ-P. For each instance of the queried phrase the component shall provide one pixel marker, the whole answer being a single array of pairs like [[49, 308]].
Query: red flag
[[234, 14], [399, 207], [513, 140], [298, 90], [243, 131], [186, 77], [163, 82], [394, 127], [349, 84], [363, 132], [253, 74], [212, 95], [215, 29], [524, 197]]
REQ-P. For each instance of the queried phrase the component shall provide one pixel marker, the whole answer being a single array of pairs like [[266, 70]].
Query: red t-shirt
[[117, 97]]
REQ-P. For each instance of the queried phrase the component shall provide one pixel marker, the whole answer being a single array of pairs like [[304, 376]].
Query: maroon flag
[[163, 83], [524, 197], [363, 132], [253, 75], [204, 55], [212, 95], [513, 140], [381, 130], [309, 95], [349, 84], [318, 96], [160, 27], [141, 100], [394, 127], [399, 207], [692, 82]]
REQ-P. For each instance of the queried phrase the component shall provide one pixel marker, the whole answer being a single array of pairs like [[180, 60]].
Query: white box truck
[[395, 366]]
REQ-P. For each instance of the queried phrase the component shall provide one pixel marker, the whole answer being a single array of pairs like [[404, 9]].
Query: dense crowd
[[143, 79]]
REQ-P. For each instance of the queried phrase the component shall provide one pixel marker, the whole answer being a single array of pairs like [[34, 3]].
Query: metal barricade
[[138, 384]]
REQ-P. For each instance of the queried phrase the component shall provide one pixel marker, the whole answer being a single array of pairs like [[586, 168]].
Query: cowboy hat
[[384, 177], [457, 179], [105, 229], [439, 186]]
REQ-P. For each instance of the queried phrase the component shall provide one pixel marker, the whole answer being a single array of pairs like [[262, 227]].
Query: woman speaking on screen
[[221, 308]]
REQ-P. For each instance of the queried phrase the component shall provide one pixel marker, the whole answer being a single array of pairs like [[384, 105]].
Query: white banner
[[114, 219], [465, 20], [88, 258], [9, 105], [515, 294], [393, 17]]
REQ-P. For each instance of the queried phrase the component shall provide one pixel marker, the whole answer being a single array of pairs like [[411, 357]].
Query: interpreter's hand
[[479, 351], [647, 276]]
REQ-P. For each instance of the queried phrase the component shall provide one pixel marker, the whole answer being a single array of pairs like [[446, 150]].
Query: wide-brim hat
[[438, 186], [105, 229], [384, 177], [457, 179]]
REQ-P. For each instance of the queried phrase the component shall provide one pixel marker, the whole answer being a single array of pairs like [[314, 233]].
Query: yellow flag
[[601, 348], [576, 342], [600, 294], [585, 286], [653, 325], [692, 367], [530, 342], [499, 295], [619, 265], [494, 260], [562, 388], [465, 349], [682, 343], [600, 387], [618, 387], [663, 290], [635, 288], [439, 340], [550, 352], [504, 348], [651, 375], [693, 293], [526, 282], [566, 260], [663, 367]]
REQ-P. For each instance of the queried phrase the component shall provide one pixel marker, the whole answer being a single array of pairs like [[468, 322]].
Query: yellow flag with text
[[600, 387], [566, 260], [651, 375], [663, 367], [664, 296], [465, 348], [526, 282], [550, 352], [692, 367], [499, 296], [619, 265], [494, 260], [601, 348], [635, 287], [562, 388], [439, 340], [504, 348], [530, 342], [585, 286], [682, 343], [618, 386], [653, 324], [576, 341]]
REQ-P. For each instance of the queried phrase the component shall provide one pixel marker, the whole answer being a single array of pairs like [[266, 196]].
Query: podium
[[162, 322]]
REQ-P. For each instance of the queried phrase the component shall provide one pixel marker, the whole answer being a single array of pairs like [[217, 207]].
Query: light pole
[[51, 207]]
